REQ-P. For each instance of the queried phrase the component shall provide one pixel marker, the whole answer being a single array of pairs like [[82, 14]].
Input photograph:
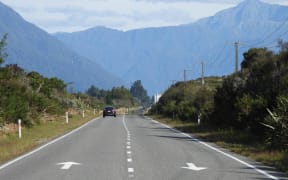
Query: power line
[[268, 36], [218, 55]]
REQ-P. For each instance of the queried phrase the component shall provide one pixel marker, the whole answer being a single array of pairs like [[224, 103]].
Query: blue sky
[[75, 15]]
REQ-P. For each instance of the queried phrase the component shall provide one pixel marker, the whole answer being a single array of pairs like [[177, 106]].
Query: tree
[[255, 55], [138, 91]]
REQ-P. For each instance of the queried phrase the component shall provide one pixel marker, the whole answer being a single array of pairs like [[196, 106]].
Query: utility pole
[[236, 56], [203, 81]]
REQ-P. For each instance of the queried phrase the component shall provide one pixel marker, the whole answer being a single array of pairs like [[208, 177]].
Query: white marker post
[[94, 112], [19, 129], [67, 117], [83, 114]]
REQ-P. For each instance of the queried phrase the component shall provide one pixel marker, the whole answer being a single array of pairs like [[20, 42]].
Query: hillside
[[35, 50], [165, 52]]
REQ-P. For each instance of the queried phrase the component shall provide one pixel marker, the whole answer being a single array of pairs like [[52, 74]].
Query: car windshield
[[109, 108]]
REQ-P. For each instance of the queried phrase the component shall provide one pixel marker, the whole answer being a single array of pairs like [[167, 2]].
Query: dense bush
[[187, 101], [277, 124], [28, 95], [14, 102], [244, 97]]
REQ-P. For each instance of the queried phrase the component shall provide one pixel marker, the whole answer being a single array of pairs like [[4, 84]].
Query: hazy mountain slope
[[159, 55], [34, 49]]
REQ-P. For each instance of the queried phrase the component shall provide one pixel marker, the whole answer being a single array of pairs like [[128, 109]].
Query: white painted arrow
[[193, 167], [67, 165]]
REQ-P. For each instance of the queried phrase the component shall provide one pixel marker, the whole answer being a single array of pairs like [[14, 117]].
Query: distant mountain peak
[[252, 5], [251, 2]]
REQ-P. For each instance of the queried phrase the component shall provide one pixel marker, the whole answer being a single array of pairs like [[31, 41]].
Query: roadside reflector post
[[94, 112], [83, 114], [199, 119], [19, 128], [67, 117]]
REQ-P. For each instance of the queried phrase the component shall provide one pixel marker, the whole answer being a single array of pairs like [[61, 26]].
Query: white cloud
[[74, 15]]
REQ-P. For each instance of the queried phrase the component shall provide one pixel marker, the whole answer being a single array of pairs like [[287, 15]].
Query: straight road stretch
[[132, 147]]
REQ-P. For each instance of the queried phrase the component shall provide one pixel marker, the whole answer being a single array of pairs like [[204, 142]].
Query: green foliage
[[277, 125], [13, 102], [255, 55], [29, 95], [186, 101], [96, 92], [250, 112], [118, 96], [138, 91], [242, 100]]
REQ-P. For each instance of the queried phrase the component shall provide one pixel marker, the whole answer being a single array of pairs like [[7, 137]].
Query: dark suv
[[109, 111]]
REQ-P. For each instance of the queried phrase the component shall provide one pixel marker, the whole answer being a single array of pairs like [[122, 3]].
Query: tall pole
[[236, 56]]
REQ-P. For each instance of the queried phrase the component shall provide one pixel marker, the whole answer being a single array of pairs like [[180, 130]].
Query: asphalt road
[[132, 147]]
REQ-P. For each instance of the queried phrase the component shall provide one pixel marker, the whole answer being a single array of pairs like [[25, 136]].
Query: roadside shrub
[[13, 102], [251, 111], [277, 125]]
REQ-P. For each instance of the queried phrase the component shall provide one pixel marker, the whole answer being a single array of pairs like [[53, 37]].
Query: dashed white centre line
[[129, 152], [130, 170]]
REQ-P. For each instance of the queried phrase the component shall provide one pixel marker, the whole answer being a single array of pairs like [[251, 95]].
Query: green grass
[[236, 141], [11, 146]]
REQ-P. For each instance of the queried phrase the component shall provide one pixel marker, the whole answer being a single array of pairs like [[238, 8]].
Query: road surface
[[132, 147]]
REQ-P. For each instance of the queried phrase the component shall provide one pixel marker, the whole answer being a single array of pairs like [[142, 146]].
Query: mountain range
[[35, 50], [106, 57], [158, 56]]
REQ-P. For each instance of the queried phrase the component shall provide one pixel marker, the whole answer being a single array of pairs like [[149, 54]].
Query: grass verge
[[236, 141], [11, 146]]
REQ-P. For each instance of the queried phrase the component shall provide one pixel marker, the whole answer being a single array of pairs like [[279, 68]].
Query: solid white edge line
[[46, 145], [221, 152]]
